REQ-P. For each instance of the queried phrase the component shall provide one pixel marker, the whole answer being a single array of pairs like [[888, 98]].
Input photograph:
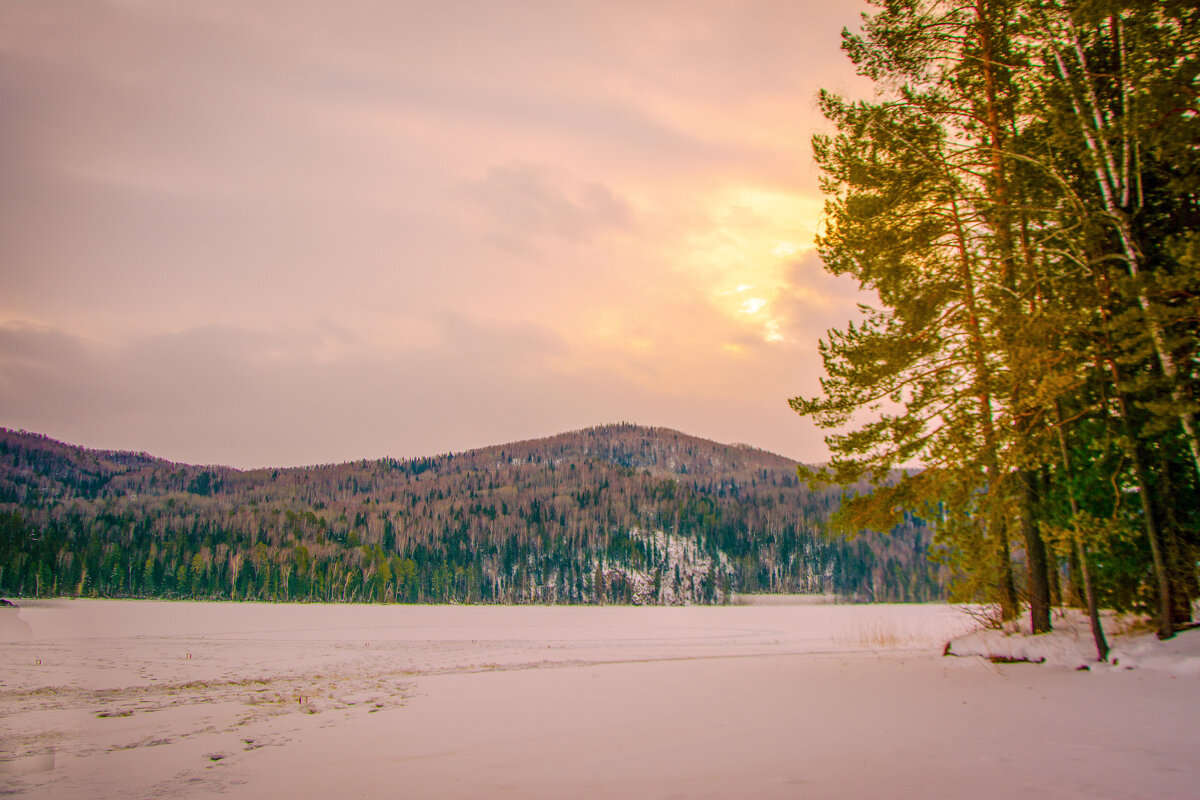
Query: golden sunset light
[[591, 399], [598, 216]]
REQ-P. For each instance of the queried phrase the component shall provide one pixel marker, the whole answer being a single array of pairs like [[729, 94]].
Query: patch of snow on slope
[[675, 576]]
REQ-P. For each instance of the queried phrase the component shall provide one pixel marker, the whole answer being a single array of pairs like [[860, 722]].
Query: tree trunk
[[983, 379], [1166, 628], [1165, 604], [1076, 595], [1035, 557], [1092, 606], [1080, 551], [1178, 569]]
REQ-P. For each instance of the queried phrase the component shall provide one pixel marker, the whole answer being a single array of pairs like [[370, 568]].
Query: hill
[[618, 513]]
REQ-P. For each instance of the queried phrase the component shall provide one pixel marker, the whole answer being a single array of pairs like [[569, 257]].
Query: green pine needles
[[1021, 199]]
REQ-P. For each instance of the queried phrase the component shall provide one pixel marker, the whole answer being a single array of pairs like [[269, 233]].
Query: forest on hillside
[[1021, 199], [613, 514]]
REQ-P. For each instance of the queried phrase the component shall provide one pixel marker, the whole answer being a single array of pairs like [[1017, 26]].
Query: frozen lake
[[140, 698]]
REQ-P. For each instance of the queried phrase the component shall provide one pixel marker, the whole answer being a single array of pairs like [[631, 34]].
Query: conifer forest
[[1019, 198], [619, 514]]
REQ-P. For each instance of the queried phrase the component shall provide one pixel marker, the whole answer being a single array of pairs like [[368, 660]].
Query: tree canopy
[[1020, 197]]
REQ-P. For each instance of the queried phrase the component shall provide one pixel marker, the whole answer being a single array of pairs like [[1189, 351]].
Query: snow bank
[[1070, 644]]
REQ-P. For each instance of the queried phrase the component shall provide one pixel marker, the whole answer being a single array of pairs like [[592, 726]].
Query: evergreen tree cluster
[[569, 519], [1020, 197]]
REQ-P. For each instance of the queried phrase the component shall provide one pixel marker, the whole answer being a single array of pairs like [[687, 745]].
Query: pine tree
[[1023, 203]]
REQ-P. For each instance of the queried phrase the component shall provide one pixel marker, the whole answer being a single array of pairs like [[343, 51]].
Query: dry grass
[[875, 633]]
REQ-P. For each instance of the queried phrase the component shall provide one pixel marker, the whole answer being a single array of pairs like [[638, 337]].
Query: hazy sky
[[277, 232]]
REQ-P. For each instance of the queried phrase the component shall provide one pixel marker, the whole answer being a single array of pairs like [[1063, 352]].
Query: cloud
[[526, 203], [280, 231], [252, 398], [814, 300], [221, 394]]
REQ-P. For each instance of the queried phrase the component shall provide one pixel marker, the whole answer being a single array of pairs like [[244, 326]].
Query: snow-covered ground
[[140, 699], [1133, 645]]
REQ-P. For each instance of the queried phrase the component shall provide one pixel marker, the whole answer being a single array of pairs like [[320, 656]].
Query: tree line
[[613, 514], [1020, 199]]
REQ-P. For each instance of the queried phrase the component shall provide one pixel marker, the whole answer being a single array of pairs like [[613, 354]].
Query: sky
[[285, 232]]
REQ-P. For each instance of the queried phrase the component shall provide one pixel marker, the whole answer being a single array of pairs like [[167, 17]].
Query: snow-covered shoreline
[[1133, 645]]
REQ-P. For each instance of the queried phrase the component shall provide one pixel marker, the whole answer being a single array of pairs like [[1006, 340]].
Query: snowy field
[[154, 699]]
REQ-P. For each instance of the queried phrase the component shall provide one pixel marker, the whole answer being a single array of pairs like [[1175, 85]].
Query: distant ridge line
[[601, 429]]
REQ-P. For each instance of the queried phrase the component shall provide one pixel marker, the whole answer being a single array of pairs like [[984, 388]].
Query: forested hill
[[619, 513]]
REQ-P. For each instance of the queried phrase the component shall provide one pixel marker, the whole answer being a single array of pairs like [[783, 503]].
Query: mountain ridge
[[612, 513], [143, 455]]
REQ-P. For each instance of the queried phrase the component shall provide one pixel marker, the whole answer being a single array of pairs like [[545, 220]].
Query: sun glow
[[752, 305], [742, 260]]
